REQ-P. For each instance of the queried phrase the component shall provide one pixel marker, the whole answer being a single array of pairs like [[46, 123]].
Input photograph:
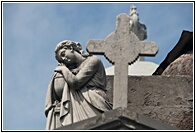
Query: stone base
[[118, 119]]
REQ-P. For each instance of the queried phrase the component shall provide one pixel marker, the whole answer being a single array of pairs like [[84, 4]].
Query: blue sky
[[32, 30]]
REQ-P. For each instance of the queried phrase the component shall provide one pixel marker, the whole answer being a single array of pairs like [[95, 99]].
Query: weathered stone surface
[[121, 47], [165, 98], [183, 65]]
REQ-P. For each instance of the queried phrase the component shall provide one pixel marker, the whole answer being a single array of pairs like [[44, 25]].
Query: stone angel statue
[[77, 90]]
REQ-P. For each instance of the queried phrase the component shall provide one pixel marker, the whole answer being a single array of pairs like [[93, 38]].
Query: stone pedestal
[[118, 119]]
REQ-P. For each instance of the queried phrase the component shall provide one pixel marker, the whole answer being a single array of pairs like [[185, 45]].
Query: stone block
[[168, 99], [118, 119]]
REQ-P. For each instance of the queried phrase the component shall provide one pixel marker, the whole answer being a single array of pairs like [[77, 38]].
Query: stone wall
[[165, 98], [183, 65]]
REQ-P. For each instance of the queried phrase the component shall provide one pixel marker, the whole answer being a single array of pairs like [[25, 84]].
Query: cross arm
[[148, 48], [95, 46]]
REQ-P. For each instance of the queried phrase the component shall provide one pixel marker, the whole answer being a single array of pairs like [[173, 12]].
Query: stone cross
[[121, 48]]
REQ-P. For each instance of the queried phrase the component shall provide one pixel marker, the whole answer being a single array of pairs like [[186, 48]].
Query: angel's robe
[[65, 105]]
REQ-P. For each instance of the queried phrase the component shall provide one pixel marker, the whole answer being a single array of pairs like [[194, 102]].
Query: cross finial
[[121, 48]]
